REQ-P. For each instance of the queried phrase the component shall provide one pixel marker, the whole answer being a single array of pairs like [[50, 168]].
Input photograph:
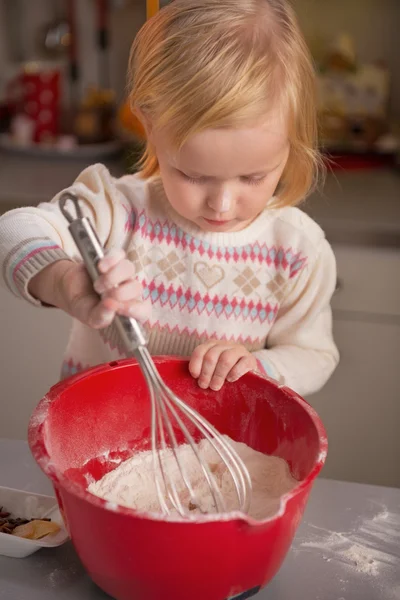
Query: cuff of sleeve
[[27, 261], [265, 368]]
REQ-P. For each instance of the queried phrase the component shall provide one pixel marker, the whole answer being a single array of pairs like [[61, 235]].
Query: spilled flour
[[132, 484], [373, 546]]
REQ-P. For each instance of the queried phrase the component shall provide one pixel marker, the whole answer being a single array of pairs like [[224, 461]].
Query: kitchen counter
[[347, 547], [358, 207], [28, 180]]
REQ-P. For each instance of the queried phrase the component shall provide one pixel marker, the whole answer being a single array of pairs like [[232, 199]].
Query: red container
[[36, 92], [87, 422]]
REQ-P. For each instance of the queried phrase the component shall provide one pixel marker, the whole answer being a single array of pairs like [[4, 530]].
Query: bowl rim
[[39, 450]]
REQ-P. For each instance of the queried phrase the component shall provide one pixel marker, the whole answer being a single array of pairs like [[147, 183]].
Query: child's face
[[222, 179]]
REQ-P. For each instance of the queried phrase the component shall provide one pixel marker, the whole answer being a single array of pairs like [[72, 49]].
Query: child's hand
[[215, 362], [68, 286]]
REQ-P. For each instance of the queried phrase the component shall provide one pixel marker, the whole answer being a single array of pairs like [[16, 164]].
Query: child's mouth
[[217, 223]]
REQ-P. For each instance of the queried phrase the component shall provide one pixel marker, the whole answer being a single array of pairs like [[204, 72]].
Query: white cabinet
[[369, 280], [360, 405], [33, 341]]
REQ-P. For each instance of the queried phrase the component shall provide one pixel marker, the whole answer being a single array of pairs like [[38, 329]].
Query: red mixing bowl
[[86, 424]]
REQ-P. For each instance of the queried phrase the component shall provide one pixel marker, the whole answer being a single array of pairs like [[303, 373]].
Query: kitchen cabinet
[[33, 341], [369, 282], [360, 405]]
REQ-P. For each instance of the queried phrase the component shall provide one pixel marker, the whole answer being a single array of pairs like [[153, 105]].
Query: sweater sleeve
[[33, 238], [301, 352]]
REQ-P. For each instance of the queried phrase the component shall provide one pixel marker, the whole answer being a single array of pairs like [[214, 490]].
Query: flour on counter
[[372, 547], [132, 483]]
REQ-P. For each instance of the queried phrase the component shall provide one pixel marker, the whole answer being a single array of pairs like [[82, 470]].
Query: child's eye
[[253, 180], [197, 180]]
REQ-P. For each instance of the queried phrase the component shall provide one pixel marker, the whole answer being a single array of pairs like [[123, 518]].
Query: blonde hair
[[200, 64]]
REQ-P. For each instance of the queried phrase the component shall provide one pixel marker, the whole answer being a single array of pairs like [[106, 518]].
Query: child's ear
[[146, 122]]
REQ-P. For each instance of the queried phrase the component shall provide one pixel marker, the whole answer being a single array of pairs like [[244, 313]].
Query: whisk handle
[[91, 250]]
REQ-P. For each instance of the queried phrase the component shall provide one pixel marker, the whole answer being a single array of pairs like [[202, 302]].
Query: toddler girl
[[206, 234]]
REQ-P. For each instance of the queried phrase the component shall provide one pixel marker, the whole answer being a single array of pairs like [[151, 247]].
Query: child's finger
[[210, 362], [111, 259], [83, 306], [122, 271], [196, 360], [102, 315], [227, 360], [137, 309], [243, 366], [130, 290]]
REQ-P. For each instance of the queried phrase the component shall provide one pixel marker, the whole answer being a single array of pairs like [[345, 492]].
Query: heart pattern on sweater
[[209, 276]]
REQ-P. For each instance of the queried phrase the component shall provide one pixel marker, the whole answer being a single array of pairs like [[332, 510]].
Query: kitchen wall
[[372, 23]]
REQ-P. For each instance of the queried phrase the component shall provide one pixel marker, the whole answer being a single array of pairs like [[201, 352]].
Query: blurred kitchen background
[[62, 107]]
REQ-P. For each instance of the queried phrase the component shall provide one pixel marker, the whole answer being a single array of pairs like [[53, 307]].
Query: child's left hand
[[215, 362]]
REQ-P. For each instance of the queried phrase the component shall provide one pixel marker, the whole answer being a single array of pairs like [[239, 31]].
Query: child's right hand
[[67, 285]]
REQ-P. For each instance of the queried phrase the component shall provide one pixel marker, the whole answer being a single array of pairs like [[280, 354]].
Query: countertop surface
[[356, 207], [347, 547]]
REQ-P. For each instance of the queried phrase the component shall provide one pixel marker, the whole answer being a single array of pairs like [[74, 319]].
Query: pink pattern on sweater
[[166, 231]]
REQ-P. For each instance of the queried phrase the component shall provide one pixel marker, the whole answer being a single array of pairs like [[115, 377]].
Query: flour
[[132, 483], [370, 549]]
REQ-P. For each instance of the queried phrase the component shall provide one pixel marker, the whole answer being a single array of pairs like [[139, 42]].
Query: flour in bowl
[[132, 483]]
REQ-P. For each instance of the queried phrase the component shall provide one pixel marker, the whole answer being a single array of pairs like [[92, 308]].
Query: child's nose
[[221, 202]]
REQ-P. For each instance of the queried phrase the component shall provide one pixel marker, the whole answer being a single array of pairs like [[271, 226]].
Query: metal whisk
[[168, 412]]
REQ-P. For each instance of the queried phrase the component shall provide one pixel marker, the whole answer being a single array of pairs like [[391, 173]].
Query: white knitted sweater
[[267, 287]]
